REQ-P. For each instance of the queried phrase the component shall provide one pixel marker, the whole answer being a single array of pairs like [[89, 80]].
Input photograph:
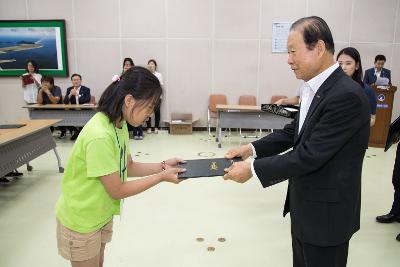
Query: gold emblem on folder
[[213, 166]]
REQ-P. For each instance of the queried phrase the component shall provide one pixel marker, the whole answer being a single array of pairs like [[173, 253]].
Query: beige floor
[[160, 226]]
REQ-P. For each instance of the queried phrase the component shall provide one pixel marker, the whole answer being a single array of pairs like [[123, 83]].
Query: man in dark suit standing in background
[[329, 137], [394, 213], [76, 94], [377, 71]]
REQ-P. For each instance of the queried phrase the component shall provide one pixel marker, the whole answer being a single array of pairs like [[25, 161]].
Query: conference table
[[69, 114], [19, 146], [246, 117]]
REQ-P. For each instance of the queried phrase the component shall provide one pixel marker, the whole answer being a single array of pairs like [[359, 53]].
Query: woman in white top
[[31, 85], [152, 66]]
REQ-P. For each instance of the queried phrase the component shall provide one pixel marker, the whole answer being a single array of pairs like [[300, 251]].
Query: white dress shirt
[[77, 95], [300, 89], [308, 91], [378, 73]]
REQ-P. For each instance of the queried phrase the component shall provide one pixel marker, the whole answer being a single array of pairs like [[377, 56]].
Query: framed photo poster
[[43, 41]]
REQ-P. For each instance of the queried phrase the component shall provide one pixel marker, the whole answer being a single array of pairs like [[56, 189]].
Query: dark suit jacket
[[370, 78], [84, 98], [324, 167]]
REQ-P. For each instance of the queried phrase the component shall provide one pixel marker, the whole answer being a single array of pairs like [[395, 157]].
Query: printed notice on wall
[[280, 32]]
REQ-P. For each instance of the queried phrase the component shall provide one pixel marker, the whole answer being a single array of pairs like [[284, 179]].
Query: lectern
[[384, 109]]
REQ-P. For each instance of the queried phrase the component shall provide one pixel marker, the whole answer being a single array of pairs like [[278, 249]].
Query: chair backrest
[[275, 98], [249, 100], [215, 100], [93, 100]]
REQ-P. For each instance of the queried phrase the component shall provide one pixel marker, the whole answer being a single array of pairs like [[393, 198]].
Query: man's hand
[[239, 172], [244, 152], [72, 92], [172, 162], [280, 101], [45, 89]]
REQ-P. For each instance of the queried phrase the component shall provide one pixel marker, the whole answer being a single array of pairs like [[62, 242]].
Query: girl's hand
[[171, 175], [172, 162]]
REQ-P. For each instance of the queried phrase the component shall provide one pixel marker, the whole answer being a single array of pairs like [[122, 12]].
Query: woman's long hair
[[354, 54]]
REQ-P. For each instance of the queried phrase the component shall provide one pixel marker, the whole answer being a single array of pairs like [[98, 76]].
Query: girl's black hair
[[138, 82], [354, 54], [34, 64]]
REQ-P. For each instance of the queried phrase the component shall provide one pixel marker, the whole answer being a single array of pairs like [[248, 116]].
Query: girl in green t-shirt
[[95, 178]]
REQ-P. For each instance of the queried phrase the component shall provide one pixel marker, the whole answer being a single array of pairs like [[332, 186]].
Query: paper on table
[[382, 81]]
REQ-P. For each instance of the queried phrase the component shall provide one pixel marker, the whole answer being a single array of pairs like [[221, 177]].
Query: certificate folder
[[27, 79], [393, 134], [205, 167]]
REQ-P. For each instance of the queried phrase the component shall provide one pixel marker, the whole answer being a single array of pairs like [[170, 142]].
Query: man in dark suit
[[378, 71], [329, 137], [394, 213], [76, 94]]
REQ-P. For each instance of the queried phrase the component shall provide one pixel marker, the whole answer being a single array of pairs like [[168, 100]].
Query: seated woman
[[48, 92], [350, 61]]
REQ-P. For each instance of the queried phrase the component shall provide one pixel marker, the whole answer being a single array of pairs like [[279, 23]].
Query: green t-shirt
[[84, 205]]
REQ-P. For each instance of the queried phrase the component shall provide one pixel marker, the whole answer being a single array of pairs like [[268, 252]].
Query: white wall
[[201, 46]]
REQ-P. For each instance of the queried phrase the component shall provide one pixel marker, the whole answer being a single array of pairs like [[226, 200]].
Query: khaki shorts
[[75, 246]]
